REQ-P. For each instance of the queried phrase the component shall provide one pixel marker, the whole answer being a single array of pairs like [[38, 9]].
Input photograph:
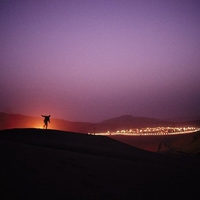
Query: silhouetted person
[[46, 120]]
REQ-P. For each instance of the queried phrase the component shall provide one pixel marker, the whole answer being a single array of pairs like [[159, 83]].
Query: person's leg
[[45, 124]]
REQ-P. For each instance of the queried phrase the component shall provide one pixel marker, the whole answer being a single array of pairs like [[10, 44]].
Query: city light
[[151, 131]]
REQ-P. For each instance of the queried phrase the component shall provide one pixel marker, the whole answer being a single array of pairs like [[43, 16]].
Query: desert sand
[[51, 164], [163, 143]]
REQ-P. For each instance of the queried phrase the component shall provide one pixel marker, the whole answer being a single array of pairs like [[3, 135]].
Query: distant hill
[[129, 121], [8, 121], [17, 121]]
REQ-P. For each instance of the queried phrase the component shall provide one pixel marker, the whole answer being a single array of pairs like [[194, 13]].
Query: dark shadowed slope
[[163, 143], [49, 164], [192, 146], [88, 144]]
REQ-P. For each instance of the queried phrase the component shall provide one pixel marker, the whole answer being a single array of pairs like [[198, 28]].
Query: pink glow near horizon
[[92, 60]]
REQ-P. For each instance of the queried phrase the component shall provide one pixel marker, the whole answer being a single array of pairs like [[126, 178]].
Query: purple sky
[[97, 59]]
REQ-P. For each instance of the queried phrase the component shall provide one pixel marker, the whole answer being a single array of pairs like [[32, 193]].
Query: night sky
[[93, 60]]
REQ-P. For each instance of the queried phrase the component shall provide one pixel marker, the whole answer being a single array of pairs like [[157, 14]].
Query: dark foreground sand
[[50, 164]]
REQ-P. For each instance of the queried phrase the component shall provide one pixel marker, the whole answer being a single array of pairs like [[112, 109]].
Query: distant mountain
[[125, 122], [17, 121], [129, 121], [8, 121]]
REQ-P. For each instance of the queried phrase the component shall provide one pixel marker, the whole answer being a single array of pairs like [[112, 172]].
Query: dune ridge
[[51, 164]]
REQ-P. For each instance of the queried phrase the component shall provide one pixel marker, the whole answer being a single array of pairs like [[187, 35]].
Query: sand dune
[[50, 164], [164, 143]]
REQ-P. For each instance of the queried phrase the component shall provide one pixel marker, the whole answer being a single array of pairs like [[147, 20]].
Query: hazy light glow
[[92, 60], [152, 131]]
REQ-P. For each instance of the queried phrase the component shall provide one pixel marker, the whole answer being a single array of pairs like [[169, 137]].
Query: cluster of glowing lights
[[151, 131]]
